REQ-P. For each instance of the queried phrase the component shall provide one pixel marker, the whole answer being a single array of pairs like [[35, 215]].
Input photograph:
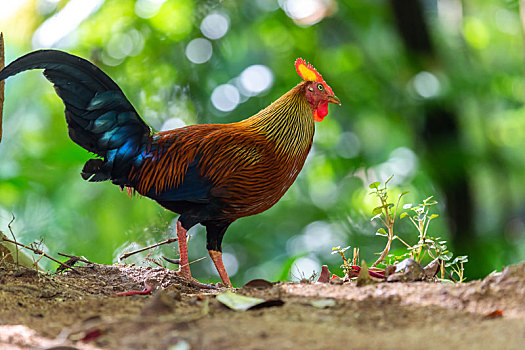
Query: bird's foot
[[192, 281]]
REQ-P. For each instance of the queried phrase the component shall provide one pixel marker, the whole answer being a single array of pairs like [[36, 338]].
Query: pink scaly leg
[[184, 267], [216, 256]]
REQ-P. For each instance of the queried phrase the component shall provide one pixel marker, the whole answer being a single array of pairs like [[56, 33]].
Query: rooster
[[212, 174]]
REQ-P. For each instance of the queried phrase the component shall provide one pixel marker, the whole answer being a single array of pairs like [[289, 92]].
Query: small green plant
[[347, 265], [427, 248], [421, 219], [384, 213], [456, 266], [341, 251]]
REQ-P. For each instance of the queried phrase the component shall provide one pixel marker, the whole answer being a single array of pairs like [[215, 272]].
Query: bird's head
[[317, 91]]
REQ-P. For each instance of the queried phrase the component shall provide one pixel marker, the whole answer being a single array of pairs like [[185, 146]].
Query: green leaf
[[427, 199], [403, 193], [374, 185], [338, 250], [387, 181], [377, 211], [433, 216], [403, 215], [381, 232], [375, 217], [445, 256], [459, 259]]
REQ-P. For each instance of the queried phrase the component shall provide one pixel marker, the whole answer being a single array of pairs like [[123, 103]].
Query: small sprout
[[427, 199], [381, 232], [339, 250], [377, 211], [445, 256], [374, 185]]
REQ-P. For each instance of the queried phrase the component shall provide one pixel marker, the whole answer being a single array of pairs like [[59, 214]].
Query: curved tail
[[99, 116]]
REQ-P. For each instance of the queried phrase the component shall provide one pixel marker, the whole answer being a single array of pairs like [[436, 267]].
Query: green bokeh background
[[379, 130]]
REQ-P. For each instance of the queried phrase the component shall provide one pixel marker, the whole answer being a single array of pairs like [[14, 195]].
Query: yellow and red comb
[[307, 71]]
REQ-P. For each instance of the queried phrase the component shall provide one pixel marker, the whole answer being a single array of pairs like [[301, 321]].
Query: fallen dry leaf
[[323, 303], [494, 314], [325, 275], [239, 302]]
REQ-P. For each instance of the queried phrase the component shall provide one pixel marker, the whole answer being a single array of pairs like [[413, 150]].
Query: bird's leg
[[184, 266], [216, 256]]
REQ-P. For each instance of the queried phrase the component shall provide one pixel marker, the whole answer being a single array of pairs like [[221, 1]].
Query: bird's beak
[[334, 99]]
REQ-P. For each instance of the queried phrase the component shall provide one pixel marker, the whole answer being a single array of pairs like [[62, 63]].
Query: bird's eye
[[320, 87]]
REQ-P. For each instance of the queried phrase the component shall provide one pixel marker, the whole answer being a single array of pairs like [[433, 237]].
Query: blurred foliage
[[376, 133]]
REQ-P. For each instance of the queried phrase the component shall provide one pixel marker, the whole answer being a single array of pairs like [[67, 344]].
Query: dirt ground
[[80, 310]]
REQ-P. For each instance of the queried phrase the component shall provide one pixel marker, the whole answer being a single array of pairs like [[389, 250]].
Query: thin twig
[[177, 261], [13, 218], [390, 227], [38, 252], [194, 261], [127, 255], [401, 240], [383, 253], [153, 260], [82, 259], [2, 83], [355, 258], [397, 206]]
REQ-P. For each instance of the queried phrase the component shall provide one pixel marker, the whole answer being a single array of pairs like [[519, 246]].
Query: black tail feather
[[99, 117], [78, 68]]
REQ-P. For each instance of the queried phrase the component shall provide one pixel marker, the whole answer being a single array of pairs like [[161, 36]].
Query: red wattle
[[321, 112]]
